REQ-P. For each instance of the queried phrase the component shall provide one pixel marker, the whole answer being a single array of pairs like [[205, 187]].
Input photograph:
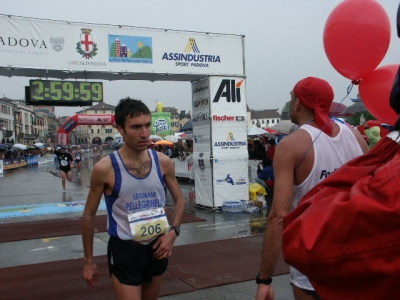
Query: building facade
[[6, 122], [25, 124], [95, 134], [264, 118]]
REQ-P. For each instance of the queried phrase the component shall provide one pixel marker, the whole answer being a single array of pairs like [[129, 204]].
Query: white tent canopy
[[155, 138], [285, 127], [254, 130], [18, 147], [172, 138]]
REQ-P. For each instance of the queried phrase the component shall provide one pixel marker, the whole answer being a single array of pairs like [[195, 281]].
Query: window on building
[[91, 131], [95, 111], [262, 121], [253, 122], [98, 130], [273, 121], [267, 121]]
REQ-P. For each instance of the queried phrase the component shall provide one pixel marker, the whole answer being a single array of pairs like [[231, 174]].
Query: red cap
[[315, 93]]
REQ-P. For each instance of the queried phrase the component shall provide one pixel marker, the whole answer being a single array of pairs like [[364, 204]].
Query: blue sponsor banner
[[45, 209], [32, 160]]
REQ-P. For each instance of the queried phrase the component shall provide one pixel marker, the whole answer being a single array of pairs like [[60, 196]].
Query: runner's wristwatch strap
[[263, 281], [176, 229]]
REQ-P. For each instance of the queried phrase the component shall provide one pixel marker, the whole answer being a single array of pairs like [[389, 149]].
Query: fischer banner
[[79, 50], [220, 140]]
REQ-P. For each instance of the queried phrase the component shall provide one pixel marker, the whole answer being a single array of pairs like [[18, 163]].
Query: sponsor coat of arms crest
[[86, 47]]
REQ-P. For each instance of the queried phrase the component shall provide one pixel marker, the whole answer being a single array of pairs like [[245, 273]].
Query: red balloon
[[357, 37], [375, 93]]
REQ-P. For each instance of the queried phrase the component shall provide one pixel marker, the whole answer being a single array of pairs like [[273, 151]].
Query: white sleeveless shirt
[[132, 194], [329, 155]]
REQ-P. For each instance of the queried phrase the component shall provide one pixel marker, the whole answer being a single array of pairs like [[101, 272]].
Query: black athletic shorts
[[133, 263], [65, 169]]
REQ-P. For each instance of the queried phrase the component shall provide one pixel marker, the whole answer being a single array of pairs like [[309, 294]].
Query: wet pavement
[[29, 189]]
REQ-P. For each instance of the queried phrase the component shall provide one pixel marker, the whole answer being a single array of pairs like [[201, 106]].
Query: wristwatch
[[176, 229], [263, 281]]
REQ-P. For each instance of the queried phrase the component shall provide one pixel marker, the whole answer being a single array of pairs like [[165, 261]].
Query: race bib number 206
[[148, 224]]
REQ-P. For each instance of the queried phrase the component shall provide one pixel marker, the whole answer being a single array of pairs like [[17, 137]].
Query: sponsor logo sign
[[240, 181], [130, 49], [57, 43], [230, 143], [69, 125], [230, 90], [199, 89], [201, 139], [201, 161], [225, 118], [86, 47], [202, 102], [161, 125], [191, 56], [200, 117], [225, 181], [94, 119]]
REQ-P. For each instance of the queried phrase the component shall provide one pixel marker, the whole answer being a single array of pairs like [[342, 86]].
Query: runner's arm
[[165, 243], [361, 141], [71, 161], [281, 204], [174, 189], [97, 185]]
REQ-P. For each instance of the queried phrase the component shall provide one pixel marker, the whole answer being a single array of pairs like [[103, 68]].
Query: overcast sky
[[283, 43]]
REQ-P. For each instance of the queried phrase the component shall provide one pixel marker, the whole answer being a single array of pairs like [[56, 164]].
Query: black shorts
[[65, 169], [133, 263]]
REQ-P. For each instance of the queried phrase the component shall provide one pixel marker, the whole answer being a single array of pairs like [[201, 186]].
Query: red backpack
[[345, 233]]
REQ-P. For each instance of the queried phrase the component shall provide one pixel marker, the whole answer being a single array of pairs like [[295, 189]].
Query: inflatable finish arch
[[72, 122]]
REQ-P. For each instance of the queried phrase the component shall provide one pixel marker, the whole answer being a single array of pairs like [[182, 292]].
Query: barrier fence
[[14, 163]]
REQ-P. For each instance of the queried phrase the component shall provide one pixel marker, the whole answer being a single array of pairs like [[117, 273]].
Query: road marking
[[47, 240], [45, 248]]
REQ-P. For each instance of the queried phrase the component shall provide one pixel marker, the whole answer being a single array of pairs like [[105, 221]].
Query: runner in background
[[65, 160], [79, 154]]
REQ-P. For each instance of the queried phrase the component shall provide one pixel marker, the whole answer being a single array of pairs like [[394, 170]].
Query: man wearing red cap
[[302, 160]]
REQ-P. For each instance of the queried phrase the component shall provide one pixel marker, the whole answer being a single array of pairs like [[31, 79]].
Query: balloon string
[[349, 88]]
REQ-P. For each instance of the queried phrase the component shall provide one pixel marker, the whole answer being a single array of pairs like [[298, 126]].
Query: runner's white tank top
[[345, 147], [132, 194]]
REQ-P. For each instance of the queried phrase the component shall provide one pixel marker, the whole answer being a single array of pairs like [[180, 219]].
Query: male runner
[[78, 158], [133, 180], [302, 160], [65, 160]]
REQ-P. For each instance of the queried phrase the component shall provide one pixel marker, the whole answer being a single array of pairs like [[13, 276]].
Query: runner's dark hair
[[129, 108]]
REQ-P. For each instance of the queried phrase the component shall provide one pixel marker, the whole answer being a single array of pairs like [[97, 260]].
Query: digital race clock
[[61, 92]]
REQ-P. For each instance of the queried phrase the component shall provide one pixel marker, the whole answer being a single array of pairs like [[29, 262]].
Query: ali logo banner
[[230, 90]]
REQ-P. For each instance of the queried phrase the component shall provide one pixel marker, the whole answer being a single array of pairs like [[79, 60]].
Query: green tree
[[286, 108], [355, 120]]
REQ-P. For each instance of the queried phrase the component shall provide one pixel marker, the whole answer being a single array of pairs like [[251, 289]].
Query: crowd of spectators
[[262, 148], [12, 154], [181, 149]]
